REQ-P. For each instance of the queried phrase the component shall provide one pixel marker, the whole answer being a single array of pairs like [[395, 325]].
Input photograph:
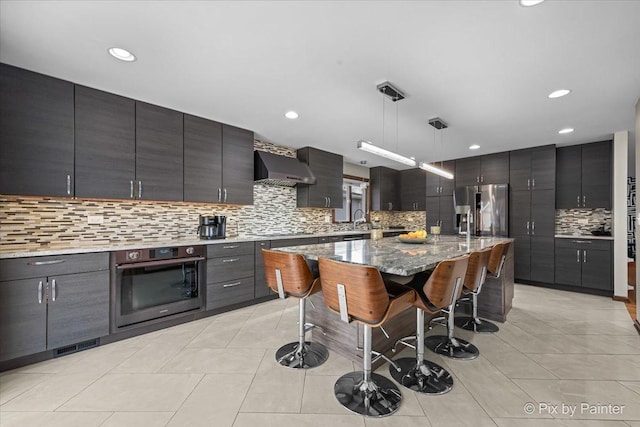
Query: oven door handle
[[158, 263]]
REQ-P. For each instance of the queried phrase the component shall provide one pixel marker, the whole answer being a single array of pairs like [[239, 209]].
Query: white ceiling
[[485, 67]]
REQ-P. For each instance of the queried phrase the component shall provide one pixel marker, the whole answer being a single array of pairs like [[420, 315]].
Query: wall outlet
[[95, 219], [327, 219]]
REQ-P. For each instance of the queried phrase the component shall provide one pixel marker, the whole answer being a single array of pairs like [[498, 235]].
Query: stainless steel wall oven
[[148, 284]]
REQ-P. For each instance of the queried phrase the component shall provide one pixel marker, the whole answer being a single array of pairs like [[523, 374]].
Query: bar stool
[[420, 375], [358, 293], [290, 276], [473, 281], [441, 296]]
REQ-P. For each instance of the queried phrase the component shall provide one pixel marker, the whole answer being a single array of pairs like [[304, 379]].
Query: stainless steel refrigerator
[[483, 209]]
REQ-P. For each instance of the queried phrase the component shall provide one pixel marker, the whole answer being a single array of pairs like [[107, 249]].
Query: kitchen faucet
[[357, 220]]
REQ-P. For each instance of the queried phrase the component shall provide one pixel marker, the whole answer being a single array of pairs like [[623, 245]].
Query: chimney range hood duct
[[273, 169]]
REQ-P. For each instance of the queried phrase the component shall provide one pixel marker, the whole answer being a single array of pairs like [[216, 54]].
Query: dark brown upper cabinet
[[583, 176], [328, 170], [488, 169], [533, 168], [237, 165], [439, 186], [384, 189], [413, 189], [159, 158], [105, 148], [36, 130], [203, 160]]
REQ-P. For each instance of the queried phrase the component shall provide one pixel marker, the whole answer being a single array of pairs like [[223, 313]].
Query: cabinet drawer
[[594, 244], [294, 242], [229, 292], [229, 268], [329, 239], [25, 268], [229, 248]]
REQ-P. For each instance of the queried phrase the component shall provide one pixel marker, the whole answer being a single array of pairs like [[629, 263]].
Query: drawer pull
[[230, 246], [231, 260], [36, 263], [231, 285], [585, 242]]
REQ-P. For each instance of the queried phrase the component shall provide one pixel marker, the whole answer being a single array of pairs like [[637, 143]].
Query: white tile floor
[[557, 348]]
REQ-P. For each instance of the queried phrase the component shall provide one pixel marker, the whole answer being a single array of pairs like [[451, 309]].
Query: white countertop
[[6, 251]]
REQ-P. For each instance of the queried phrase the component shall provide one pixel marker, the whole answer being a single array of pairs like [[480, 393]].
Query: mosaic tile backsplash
[[28, 223], [581, 221]]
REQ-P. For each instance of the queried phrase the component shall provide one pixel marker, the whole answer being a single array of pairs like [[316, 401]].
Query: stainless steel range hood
[[274, 169]]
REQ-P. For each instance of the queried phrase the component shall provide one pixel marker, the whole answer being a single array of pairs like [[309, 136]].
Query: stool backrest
[[498, 256], [440, 288], [296, 276], [477, 269], [366, 295]]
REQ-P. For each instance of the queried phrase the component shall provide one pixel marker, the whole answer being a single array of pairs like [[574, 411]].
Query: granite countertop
[[7, 251], [583, 236], [394, 257]]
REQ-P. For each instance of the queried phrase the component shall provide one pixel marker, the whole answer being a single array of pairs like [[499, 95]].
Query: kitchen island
[[394, 258]]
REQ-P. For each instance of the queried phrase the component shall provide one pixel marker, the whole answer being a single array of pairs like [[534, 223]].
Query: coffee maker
[[212, 227]]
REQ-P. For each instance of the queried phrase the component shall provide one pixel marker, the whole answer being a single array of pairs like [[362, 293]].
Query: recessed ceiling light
[[565, 130], [122, 54], [529, 3], [474, 147], [291, 115], [558, 93]]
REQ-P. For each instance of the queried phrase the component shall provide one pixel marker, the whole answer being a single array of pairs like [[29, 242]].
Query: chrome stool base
[[480, 326], [378, 397], [455, 348], [311, 355], [428, 378]]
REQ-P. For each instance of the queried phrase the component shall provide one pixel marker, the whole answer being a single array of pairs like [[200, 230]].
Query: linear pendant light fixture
[[374, 149], [439, 124], [395, 95]]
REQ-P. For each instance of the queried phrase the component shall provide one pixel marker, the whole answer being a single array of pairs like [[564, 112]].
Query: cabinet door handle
[[231, 260], [53, 290], [584, 256], [533, 184], [329, 205], [529, 184], [140, 189], [533, 228], [225, 195], [478, 179], [577, 255], [40, 295], [584, 201], [37, 263], [219, 194], [527, 228], [578, 201], [131, 189], [231, 285], [482, 179], [68, 185]]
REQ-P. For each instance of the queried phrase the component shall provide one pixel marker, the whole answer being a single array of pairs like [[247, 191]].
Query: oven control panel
[[153, 254]]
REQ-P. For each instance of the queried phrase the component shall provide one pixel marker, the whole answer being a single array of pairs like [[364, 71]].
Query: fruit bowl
[[414, 240]]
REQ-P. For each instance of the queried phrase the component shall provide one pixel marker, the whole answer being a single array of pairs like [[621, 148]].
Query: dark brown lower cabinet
[[533, 259], [47, 312], [585, 263]]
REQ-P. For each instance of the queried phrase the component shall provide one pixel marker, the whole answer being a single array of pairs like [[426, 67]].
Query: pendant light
[[395, 95], [439, 124]]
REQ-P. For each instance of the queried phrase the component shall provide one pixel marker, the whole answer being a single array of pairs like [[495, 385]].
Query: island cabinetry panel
[[51, 302], [328, 170], [584, 263], [105, 145], [159, 153], [413, 189], [230, 274], [583, 174], [384, 189], [261, 288], [439, 186], [36, 130]]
